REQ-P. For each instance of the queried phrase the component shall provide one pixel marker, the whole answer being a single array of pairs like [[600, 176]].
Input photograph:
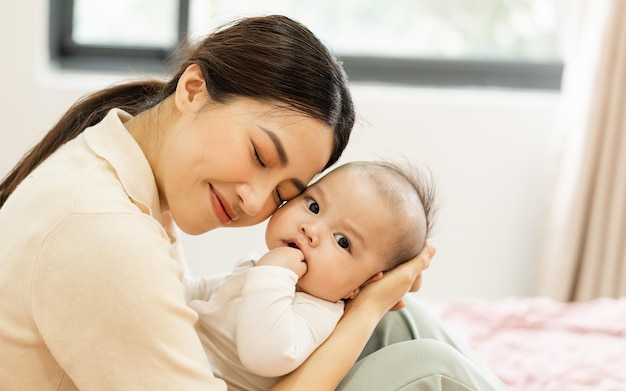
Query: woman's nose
[[253, 198], [311, 232]]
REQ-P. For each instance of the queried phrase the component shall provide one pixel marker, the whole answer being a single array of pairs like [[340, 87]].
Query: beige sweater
[[91, 292]]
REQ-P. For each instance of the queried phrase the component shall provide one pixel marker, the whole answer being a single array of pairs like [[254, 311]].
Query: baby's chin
[[301, 289]]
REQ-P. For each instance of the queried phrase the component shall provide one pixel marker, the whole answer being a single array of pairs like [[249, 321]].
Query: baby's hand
[[287, 257]]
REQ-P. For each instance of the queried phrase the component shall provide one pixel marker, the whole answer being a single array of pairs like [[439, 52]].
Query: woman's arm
[[327, 366], [108, 300]]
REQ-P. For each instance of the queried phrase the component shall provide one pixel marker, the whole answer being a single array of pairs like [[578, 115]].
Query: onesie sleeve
[[201, 288], [109, 301], [278, 329]]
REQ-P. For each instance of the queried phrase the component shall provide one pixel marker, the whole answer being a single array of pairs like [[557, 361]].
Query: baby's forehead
[[345, 172], [323, 181], [345, 180]]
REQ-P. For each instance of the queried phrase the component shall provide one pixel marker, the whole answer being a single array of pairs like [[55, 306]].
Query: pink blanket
[[536, 344]]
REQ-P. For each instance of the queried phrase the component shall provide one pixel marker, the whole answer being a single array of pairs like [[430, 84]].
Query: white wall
[[491, 151]]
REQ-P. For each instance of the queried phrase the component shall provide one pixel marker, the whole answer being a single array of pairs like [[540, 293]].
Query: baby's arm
[[201, 288], [277, 330]]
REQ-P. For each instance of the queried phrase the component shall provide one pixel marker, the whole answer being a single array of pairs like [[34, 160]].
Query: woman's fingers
[[413, 268], [426, 255], [388, 291], [398, 306], [416, 265], [423, 260]]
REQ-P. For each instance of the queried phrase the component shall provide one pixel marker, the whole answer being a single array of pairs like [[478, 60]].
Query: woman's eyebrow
[[282, 156], [299, 185]]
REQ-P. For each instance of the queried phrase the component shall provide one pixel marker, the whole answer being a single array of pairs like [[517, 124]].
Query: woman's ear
[[190, 90]]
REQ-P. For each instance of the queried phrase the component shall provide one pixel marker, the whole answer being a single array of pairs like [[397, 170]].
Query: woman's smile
[[221, 208]]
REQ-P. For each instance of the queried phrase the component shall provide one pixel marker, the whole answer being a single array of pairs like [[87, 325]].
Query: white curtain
[[584, 254]]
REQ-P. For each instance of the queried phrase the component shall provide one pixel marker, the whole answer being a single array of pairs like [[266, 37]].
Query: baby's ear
[[352, 294], [373, 278], [355, 292]]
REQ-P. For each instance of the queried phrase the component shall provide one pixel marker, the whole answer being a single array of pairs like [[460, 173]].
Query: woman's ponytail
[[132, 97]]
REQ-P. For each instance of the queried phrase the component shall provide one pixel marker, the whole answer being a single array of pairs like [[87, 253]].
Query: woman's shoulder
[[75, 180], [75, 201]]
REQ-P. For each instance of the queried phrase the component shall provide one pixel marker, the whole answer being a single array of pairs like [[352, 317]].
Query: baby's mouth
[[293, 245]]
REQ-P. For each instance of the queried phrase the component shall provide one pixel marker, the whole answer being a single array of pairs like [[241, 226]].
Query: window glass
[[152, 23], [494, 43], [499, 30]]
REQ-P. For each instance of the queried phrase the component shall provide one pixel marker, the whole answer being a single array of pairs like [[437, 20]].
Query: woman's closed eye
[[280, 201], [258, 159]]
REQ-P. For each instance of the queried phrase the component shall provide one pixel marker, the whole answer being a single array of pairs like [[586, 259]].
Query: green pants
[[411, 350]]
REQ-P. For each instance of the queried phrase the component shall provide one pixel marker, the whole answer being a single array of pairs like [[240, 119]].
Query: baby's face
[[342, 226]]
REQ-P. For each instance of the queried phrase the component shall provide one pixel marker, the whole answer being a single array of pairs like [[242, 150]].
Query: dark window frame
[[417, 72]]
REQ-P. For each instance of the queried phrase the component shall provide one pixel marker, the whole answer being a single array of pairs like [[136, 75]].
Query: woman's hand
[[417, 283], [395, 283], [429, 252]]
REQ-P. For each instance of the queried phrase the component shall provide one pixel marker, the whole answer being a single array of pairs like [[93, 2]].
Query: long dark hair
[[271, 58]]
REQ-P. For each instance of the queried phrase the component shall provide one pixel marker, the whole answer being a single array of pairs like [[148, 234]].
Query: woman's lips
[[219, 207]]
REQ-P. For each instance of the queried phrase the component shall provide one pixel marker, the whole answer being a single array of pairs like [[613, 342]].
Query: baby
[[263, 320]]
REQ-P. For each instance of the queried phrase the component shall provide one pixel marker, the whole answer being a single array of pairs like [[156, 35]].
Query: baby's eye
[[342, 241], [313, 206]]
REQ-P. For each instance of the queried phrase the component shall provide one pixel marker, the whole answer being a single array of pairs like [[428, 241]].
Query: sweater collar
[[110, 140]]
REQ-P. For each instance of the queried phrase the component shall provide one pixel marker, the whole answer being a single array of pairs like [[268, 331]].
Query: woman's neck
[[149, 129]]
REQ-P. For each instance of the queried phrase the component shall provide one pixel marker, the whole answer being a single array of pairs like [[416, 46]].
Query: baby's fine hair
[[409, 191]]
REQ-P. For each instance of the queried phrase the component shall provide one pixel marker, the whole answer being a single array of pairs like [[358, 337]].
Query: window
[[118, 35], [500, 43]]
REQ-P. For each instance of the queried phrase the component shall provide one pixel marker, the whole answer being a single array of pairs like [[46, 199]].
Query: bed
[[538, 344]]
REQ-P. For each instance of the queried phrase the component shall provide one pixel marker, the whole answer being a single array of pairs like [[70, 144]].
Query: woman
[[92, 293]]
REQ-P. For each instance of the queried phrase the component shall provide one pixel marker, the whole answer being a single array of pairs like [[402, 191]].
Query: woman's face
[[233, 164]]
